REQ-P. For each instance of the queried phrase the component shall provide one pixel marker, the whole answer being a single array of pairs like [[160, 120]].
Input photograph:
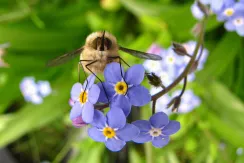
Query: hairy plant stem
[[182, 75]]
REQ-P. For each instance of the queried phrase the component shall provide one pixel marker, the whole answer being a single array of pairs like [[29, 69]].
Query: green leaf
[[174, 16], [224, 54], [33, 117]]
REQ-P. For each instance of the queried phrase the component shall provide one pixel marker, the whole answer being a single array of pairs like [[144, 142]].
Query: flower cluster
[[121, 90], [171, 66], [229, 11], [34, 92]]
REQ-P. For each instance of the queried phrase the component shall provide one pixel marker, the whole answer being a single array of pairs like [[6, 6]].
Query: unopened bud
[[175, 102], [203, 8], [154, 79], [78, 122], [179, 49]]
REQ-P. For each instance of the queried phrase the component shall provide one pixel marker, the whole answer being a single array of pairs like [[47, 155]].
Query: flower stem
[[188, 67], [153, 106]]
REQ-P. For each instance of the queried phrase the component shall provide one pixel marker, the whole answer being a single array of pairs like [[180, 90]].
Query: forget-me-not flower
[[157, 130], [124, 90], [112, 129], [85, 96]]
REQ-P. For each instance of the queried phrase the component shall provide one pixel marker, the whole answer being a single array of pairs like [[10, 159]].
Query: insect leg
[[80, 64], [94, 61], [120, 59]]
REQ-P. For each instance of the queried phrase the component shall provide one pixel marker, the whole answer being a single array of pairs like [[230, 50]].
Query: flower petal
[[128, 132], [90, 79], [76, 90], [109, 92], [112, 72], [139, 95], [122, 102], [76, 111], [78, 122], [96, 135], [115, 144], [171, 128], [116, 118], [143, 125], [160, 142], [88, 112], [93, 93], [229, 26], [134, 75], [99, 120], [240, 30], [158, 120], [142, 138]]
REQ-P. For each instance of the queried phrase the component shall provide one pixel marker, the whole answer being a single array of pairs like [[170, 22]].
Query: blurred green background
[[39, 30]]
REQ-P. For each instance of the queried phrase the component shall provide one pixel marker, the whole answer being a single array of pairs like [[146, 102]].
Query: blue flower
[[125, 90], [229, 9], [44, 88], [157, 130], [34, 92], [112, 129], [236, 23], [84, 96]]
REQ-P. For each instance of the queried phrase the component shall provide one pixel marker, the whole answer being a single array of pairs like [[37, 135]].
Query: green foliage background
[[39, 30]]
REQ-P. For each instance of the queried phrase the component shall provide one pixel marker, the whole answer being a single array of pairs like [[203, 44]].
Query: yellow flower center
[[109, 132], [121, 88], [83, 97], [229, 12]]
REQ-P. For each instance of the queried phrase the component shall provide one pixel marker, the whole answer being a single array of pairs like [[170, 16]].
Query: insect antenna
[[120, 59]]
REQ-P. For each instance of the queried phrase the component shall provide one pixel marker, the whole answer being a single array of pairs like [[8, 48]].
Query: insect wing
[[140, 54], [64, 58]]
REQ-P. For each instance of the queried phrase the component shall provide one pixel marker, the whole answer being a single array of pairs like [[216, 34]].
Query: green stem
[[188, 67]]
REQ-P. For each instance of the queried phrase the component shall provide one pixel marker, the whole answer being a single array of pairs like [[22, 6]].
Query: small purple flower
[[112, 129], [78, 122], [30, 90], [44, 88], [189, 101], [84, 96], [229, 9], [157, 130], [236, 23], [124, 90]]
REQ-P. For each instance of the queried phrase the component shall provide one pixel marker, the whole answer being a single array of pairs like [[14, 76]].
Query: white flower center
[[238, 21], [155, 132], [229, 12]]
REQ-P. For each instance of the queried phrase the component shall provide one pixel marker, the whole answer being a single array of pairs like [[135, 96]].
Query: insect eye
[[108, 43], [98, 41]]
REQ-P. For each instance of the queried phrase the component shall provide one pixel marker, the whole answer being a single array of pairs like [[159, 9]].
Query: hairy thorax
[[102, 58]]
